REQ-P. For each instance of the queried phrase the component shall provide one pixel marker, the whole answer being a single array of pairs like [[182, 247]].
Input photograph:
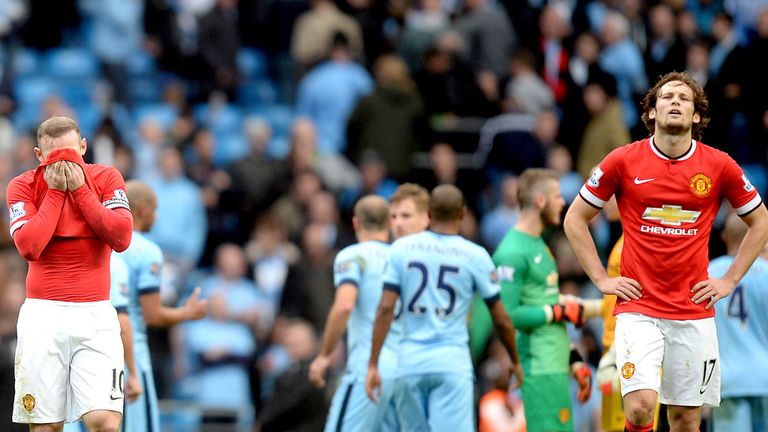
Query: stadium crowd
[[260, 123]]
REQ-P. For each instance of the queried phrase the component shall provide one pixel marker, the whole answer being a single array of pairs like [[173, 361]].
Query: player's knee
[[103, 421], [684, 419], [640, 411], [49, 427]]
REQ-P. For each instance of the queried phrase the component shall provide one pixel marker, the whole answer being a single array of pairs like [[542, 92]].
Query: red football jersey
[[667, 208], [74, 265]]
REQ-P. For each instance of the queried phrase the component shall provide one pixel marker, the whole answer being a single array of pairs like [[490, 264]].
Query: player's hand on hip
[[55, 176], [75, 175], [712, 290], [622, 287], [373, 384], [317, 370], [133, 388], [197, 307]]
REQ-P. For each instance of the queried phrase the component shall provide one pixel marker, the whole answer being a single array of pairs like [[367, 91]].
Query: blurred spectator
[[499, 409], [219, 42], [498, 220], [324, 211], [221, 346], [666, 51], [181, 225], [118, 33], [744, 13], [704, 11], [697, 62], [314, 34], [296, 405], [622, 59], [390, 120], [371, 15], [270, 255], [757, 87], [554, 29], [526, 91], [375, 180], [148, 149], [687, 28], [605, 131], [293, 206], [329, 92], [423, 22], [560, 161], [22, 159], [508, 145], [488, 37], [445, 169], [309, 291], [278, 27]]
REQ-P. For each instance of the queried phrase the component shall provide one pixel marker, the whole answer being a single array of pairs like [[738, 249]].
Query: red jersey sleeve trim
[[591, 198], [749, 207], [17, 225]]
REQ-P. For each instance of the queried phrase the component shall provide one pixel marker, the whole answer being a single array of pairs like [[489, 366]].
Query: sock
[[631, 427]]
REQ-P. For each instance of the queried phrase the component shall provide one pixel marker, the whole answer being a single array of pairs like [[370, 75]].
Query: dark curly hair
[[700, 102]]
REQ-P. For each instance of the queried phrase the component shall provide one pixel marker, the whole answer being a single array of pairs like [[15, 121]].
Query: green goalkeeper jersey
[[529, 281]]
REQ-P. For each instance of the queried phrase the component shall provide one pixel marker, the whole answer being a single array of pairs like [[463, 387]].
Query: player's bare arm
[[132, 383], [753, 243], [576, 227], [343, 304], [385, 313], [506, 332], [158, 315]]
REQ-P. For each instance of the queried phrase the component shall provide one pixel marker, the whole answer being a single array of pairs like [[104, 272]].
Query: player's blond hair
[[417, 193], [55, 127], [531, 182]]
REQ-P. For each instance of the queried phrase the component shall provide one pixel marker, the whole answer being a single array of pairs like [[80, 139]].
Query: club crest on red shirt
[[701, 185]]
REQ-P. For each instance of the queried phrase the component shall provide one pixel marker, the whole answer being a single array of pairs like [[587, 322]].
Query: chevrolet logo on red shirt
[[671, 215]]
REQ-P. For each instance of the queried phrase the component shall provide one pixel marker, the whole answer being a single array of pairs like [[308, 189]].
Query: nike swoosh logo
[[115, 398], [702, 390], [537, 259], [639, 182]]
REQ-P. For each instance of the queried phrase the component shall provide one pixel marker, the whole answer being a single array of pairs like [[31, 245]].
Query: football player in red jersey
[[66, 218], [669, 187]]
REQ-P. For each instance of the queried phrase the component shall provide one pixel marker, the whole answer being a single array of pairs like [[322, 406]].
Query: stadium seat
[[257, 92], [27, 62], [141, 64], [251, 63], [165, 114], [280, 117], [220, 119], [72, 63]]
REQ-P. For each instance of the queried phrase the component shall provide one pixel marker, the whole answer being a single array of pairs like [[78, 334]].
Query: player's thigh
[[691, 363], [733, 414], [143, 415], [639, 352], [547, 403], [352, 409], [41, 364], [451, 403], [97, 375], [411, 393]]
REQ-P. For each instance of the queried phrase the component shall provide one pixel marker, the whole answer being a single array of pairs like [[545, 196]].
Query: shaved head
[[143, 202], [446, 203], [139, 194], [372, 212]]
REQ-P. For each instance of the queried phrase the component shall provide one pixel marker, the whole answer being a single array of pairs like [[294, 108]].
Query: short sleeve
[[149, 277], [738, 190], [118, 293], [604, 182], [347, 269], [393, 270], [485, 277], [113, 190], [21, 207]]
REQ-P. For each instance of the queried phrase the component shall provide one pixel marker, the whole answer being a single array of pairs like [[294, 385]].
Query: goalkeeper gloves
[[583, 376], [570, 311], [607, 373]]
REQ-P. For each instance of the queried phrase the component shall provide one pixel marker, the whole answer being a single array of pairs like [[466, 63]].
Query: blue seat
[[32, 90], [257, 92], [251, 63], [141, 64], [72, 63], [165, 114], [280, 117], [224, 119], [27, 62]]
